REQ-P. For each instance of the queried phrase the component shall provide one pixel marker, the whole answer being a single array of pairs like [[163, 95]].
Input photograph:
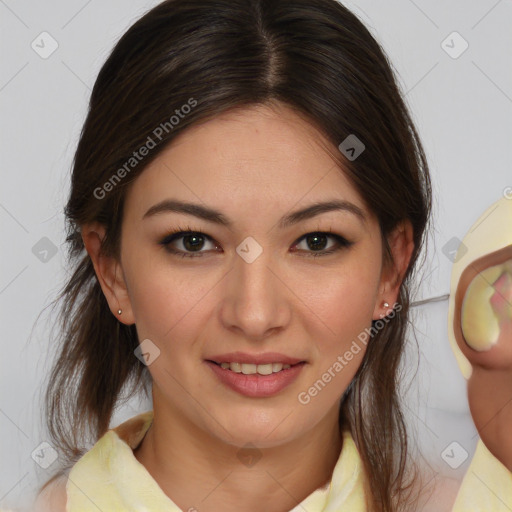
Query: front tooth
[[251, 369], [236, 367], [264, 369], [248, 369]]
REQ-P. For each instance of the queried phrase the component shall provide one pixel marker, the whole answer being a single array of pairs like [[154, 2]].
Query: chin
[[261, 428]]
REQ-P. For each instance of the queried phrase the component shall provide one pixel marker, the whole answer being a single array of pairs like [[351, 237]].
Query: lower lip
[[256, 385]]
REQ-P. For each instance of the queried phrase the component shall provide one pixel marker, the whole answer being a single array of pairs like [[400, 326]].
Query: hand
[[483, 331]]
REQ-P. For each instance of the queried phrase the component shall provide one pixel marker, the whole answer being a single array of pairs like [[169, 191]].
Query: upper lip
[[244, 358]]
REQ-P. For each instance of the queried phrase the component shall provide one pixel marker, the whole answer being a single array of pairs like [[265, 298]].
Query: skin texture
[[255, 166], [490, 383]]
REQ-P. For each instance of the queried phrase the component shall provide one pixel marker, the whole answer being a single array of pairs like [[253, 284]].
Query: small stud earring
[[384, 305], [119, 311]]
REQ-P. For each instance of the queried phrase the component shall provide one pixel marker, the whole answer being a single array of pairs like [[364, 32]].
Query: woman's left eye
[[319, 239], [192, 242]]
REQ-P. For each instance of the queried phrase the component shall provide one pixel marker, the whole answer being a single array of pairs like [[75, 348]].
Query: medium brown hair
[[313, 56]]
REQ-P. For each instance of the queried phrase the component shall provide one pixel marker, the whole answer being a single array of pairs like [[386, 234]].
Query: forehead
[[255, 158]]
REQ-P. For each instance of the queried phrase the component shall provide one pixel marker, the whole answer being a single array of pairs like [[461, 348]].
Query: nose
[[256, 299]]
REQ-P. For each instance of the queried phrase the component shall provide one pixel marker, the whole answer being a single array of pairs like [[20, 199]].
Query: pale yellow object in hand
[[487, 484], [480, 320], [480, 325]]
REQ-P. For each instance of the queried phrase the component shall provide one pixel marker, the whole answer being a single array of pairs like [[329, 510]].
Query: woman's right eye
[[187, 244]]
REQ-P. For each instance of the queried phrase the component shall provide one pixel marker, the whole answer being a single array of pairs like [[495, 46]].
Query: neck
[[201, 472]]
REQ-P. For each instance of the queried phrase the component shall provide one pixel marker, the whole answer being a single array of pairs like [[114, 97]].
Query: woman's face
[[252, 288]]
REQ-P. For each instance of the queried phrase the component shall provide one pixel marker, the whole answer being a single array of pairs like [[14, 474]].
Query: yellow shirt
[[109, 478]]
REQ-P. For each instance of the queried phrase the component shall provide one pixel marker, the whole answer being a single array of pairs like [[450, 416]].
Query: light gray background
[[462, 107]]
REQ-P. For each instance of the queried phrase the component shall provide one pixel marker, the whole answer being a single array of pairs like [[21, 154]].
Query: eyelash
[[179, 232]]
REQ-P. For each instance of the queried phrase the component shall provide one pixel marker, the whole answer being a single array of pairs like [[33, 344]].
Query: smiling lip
[[255, 385], [243, 357]]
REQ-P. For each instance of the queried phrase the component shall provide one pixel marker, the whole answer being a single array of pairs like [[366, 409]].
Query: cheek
[[340, 352], [344, 301], [166, 300], [171, 312]]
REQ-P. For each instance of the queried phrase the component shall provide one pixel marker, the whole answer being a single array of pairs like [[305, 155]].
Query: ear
[[401, 244], [109, 272]]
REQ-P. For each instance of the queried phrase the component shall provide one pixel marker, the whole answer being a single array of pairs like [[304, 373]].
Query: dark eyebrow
[[318, 208], [211, 215], [203, 212]]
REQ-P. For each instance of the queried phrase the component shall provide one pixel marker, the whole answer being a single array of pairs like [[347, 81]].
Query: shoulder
[[97, 461], [53, 495]]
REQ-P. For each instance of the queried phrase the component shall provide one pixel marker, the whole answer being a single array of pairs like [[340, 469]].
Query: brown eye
[[186, 243], [316, 243], [193, 242]]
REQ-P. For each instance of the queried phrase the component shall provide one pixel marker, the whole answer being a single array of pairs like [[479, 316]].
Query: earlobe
[[109, 273], [401, 245]]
